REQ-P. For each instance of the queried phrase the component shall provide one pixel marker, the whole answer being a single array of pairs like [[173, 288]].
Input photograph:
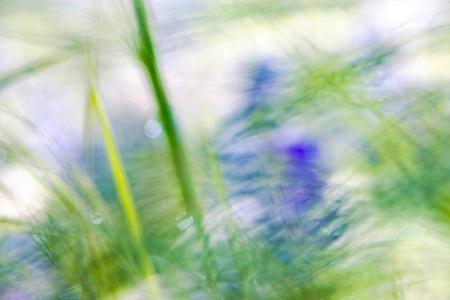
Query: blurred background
[[316, 133]]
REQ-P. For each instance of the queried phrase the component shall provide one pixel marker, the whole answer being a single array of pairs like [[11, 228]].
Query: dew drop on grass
[[3, 155], [96, 218], [184, 222], [152, 129], [73, 293]]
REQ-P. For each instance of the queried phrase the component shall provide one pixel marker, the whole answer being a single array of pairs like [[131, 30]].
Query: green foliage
[[229, 212]]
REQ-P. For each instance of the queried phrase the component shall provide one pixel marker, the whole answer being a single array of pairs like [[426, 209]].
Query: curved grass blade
[[9, 78]]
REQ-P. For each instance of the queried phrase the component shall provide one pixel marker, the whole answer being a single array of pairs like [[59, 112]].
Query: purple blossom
[[304, 181]]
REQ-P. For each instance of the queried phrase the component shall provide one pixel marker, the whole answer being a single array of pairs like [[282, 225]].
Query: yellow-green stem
[[122, 184]]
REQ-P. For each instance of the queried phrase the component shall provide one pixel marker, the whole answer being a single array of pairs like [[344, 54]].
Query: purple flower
[[303, 176]]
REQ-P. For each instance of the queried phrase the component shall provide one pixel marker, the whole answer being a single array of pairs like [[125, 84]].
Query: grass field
[[250, 149]]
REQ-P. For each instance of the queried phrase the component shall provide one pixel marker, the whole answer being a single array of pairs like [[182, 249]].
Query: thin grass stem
[[146, 52], [33, 67], [122, 184], [147, 55]]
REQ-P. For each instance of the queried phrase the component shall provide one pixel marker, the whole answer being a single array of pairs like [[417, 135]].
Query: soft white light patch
[[393, 16], [152, 129], [25, 196]]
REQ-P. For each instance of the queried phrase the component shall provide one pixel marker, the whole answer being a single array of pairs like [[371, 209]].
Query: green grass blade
[[34, 67], [120, 178], [147, 55], [124, 192]]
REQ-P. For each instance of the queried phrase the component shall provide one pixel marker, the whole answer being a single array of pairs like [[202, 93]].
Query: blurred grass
[[122, 184], [211, 215]]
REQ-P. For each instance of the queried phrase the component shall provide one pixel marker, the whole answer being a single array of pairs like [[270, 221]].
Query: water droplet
[[96, 218], [184, 222], [152, 129], [73, 293], [3, 155]]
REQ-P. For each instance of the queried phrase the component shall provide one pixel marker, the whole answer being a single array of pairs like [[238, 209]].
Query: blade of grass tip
[[147, 55], [122, 184], [34, 67], [89, 139]]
